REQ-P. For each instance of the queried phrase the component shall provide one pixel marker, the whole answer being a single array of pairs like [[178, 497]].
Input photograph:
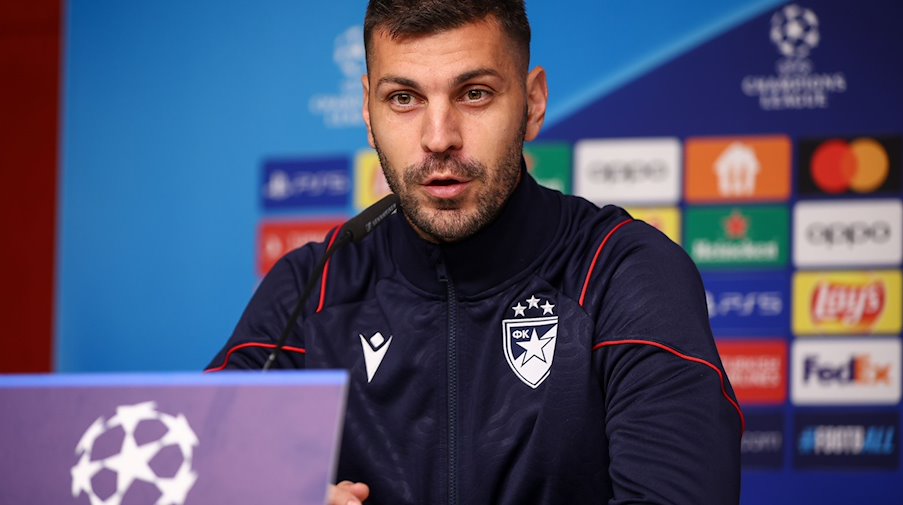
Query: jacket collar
[[488, 259]]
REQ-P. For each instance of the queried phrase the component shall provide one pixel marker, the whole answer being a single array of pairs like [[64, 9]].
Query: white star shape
[[519, 309], [534, 348], [128, 416], [174, 491], [547, 308], [132, 463], [82, 473], [91, 434], [533, 301], [179, 432]]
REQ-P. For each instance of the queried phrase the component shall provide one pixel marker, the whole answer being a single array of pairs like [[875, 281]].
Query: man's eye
[[476, 94], [403, 99]]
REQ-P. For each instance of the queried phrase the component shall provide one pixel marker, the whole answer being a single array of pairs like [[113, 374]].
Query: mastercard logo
[[849, 165], [861, 165]]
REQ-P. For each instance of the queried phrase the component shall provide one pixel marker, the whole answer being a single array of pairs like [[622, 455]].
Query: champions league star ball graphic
[[137, 453], [795, 31]]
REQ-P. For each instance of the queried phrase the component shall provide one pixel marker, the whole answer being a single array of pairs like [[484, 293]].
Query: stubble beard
[[443, 220]]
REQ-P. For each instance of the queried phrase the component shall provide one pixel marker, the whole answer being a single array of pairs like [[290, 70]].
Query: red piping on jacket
[[592, 266], [326, 272], [252, 344], [685, 357]]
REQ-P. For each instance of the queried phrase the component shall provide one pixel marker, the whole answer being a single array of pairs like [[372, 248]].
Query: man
[[506, 344]]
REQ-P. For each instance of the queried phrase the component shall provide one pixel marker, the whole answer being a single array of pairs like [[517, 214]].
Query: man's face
[[448, 114]]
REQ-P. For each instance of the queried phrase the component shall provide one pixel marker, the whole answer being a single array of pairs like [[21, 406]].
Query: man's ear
[[365, 82], [537, 100]]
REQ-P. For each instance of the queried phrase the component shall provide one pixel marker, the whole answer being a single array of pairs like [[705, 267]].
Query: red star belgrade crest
[[529, 339]]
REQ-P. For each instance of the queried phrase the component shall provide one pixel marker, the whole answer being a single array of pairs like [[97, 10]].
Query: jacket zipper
[[452, 366]]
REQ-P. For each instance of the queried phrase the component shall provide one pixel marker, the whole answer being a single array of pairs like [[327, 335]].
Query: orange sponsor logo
[[738, 169]]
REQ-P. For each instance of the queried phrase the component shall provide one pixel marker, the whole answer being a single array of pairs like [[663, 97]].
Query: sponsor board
[[847, 302], [628, 171], [757, 370], [550, 164], [762, 445], [737, 237], [849, 166], [748, 304], [306, 184], [848, 233], [849, 371], [851, 440], [731, 169], [369, 182], [275, 238], [664, 219]]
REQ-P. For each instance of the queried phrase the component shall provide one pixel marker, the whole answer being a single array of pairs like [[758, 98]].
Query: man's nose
[[441, 129]]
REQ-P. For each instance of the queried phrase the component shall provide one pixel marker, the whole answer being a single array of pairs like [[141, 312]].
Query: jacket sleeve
[[266, 315], [672, 420]]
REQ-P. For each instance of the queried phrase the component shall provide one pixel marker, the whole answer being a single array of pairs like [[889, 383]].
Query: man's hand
[[348, 493]]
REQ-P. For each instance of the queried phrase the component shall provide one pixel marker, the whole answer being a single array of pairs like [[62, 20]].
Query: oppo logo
[[630, 171], [849, 234]]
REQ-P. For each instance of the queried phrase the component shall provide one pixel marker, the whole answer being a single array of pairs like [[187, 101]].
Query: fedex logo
[[859, 369], [851, 371]]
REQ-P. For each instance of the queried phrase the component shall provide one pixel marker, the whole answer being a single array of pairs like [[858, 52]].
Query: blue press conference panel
[[187, 127]]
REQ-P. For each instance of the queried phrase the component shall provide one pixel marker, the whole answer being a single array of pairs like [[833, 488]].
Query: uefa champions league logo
[[342, 108], [137, 444], [794, 30], [796, 85]]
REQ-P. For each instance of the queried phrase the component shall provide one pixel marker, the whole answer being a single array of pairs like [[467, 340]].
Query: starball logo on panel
[[738, 169], [737, 237], [849, 166], [847, 302], [846, 371], [795, 33], [628, 171], [848, 233], [342, 108]]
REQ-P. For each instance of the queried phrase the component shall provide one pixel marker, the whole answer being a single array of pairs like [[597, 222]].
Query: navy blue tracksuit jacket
[[561, 355]]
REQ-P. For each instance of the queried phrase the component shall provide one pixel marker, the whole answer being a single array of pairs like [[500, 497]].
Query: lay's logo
[[850, 304], [847, 302]]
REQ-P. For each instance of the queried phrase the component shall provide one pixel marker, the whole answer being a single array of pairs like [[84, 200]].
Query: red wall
[[29, 118]]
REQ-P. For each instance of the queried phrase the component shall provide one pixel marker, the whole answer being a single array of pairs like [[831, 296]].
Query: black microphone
[[354, 230]]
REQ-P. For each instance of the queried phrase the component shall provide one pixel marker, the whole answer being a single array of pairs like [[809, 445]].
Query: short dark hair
[[404, 18]]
